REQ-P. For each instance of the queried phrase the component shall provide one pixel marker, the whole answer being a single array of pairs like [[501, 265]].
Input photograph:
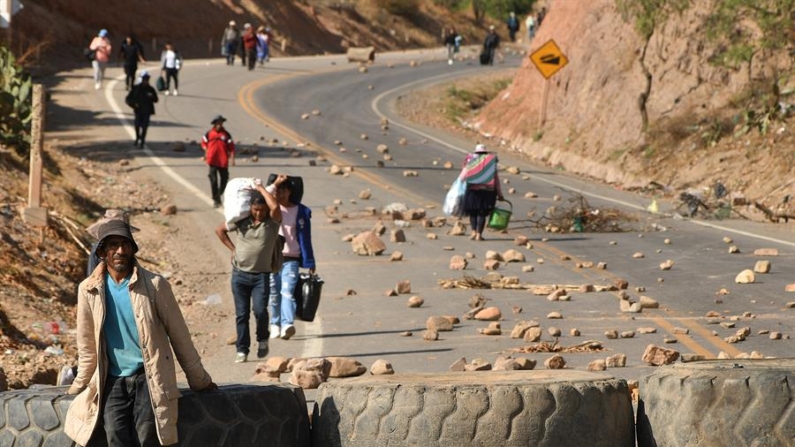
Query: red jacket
[[218, 147], [250, 40]]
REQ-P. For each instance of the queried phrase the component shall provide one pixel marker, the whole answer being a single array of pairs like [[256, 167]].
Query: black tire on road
[[719, 403], [233, 416], [517, 408]]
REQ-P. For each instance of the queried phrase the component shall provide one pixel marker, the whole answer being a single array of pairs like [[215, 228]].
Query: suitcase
[[307, 296], [484, 58], [296, 187]]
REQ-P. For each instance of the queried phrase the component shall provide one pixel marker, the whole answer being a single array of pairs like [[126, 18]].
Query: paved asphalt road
[[269, 102]]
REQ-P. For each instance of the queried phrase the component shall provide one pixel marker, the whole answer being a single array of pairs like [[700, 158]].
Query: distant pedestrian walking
[[297, 253], [142, 99], [249, 47], [256, 253], [229, 42], [541, 16], [263, 44], [452, 42], [490, 45], [102, 48], [171, 64], [513, 26], [219, 153], [131, 52], [482, 190], [530, 24]]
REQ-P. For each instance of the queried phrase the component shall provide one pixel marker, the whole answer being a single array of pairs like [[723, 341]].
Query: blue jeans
[[282, 301], [127, 413], [248, 288]]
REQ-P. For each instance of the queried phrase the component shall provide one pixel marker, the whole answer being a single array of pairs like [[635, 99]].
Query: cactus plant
[[15, 103]]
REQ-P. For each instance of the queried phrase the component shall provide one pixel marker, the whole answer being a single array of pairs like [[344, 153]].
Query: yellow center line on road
[[660, 321], [246, 99], [686, 339]]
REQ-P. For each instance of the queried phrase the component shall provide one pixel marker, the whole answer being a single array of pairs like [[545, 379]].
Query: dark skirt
[[479, 202]]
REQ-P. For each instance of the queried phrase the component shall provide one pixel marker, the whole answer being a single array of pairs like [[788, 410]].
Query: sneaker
[[176, 92], [66, 376], [97, 86], [287, 332], [449, 62], [262, 349], [168, 93], [275, 331], [217, 204], [241, 357]]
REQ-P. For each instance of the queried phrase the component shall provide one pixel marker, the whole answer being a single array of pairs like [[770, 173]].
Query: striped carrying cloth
[[480, 170]]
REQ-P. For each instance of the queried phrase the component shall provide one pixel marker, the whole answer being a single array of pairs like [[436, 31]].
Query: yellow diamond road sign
[[549, 59]]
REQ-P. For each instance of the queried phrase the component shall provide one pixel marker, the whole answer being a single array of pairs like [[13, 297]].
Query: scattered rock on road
[[745, 277], [368, 244], [555, 362], [381, 367], [657, 356]]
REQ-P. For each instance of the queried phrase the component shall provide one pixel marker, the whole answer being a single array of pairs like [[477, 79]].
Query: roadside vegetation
[[463, 101], [745, 35]]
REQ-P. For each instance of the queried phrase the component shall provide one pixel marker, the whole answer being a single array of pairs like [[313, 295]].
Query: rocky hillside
[[63, 29], [632, 110]]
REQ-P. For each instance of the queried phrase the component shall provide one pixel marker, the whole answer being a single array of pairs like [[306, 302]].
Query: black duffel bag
[[296, 187], [307, 296]]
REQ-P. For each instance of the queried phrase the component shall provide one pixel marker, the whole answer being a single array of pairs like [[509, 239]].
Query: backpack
[[130, 100]]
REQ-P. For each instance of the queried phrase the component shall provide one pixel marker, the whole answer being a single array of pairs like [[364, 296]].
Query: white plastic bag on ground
[[237, 198]]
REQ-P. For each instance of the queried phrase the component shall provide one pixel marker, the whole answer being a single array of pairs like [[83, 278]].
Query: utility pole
[[34, 214]]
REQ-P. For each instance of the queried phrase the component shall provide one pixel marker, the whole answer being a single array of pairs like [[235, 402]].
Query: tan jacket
[[159, 321]]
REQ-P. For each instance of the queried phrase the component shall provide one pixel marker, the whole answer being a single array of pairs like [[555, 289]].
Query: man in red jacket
[[250, 46], [219, 153]]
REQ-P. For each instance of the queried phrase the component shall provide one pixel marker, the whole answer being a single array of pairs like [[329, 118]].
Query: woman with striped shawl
[[483, 188]]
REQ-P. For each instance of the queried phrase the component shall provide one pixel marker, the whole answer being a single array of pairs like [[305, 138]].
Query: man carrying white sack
[[256, 252]]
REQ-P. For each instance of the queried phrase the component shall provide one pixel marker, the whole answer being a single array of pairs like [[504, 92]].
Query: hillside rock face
[[594, 125]]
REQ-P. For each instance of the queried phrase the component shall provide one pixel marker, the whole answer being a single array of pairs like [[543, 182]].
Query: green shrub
[[16, 103]]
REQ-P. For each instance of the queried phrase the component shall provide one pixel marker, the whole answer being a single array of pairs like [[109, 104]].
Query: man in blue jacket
[[297, 254]]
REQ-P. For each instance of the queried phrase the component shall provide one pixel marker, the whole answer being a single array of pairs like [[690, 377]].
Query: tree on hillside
[[499, 9], [744, 28]]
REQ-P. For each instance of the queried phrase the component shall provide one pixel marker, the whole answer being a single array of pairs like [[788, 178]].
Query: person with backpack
[[100, 51], [219, 153], [142, 99], [482, 188], [297, 253], [131, 52], [171, 63], [513, 26]]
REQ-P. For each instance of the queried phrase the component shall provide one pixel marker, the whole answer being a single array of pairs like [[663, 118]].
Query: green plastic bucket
[[500, 217]]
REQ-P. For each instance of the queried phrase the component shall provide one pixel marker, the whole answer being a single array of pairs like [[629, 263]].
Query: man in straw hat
[[128, 322]]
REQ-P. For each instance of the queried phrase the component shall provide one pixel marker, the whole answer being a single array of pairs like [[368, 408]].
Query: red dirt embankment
[[594, 125]]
